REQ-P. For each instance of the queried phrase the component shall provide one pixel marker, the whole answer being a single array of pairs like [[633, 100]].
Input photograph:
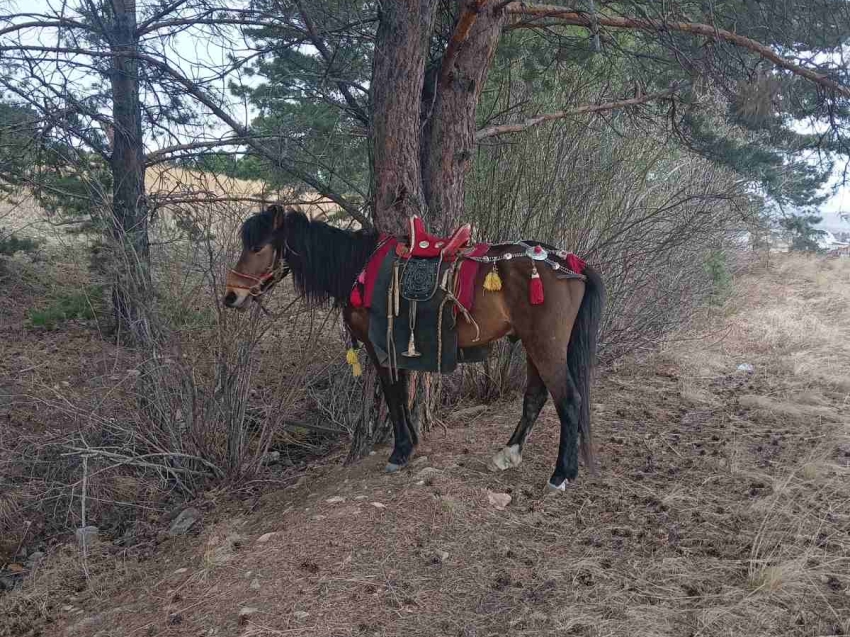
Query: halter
[[274, 273]]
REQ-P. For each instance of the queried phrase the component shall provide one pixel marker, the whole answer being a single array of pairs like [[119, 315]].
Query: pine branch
[[353, 105], [567, 16]]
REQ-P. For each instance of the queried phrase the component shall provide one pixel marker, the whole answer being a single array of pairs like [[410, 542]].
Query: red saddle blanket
[[364, 288]]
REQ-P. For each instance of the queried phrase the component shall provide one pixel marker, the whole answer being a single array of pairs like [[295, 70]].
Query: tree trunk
[[422, 133], [448, 137], [131, 293], [401, 50], [422, 140]]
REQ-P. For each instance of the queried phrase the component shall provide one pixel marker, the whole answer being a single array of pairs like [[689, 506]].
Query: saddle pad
[[370, 274], [426, 334]]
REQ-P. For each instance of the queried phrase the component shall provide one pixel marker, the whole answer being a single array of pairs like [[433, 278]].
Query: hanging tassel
[[535, 287], [492, 282], [356, 299], [351, 359]]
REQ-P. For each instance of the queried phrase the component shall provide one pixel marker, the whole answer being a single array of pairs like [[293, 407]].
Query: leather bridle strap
[[275, 273]]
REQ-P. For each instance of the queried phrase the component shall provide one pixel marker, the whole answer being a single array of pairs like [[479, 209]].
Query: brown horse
[[559, 336]]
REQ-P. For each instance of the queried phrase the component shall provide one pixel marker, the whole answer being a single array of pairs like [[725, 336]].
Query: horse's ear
[[279, 216]]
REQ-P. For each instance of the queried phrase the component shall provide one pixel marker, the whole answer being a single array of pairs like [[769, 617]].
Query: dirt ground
[[721, 508]]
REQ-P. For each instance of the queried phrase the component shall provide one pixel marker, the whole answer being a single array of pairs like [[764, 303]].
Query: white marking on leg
[[557, 488], [506, 458]]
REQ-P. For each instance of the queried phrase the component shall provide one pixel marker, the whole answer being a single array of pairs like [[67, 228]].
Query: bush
[[11, 245], [83, 305]]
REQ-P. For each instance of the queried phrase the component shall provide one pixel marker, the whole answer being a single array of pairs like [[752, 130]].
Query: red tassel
[[356, 299], [535, 287], [575, 264]]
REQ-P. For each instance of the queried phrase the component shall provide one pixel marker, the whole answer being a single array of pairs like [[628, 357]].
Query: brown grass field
[[721, 508]]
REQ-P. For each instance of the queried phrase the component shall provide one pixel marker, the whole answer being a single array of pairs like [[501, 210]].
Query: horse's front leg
[[395, 393], [394, 390]]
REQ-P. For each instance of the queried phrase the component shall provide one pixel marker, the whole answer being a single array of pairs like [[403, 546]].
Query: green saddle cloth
[[427, 315]]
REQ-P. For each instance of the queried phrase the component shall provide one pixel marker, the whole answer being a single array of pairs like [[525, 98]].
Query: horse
[[559, 336]]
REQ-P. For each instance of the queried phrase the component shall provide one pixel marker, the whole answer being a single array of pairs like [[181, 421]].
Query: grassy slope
[[721, 508]]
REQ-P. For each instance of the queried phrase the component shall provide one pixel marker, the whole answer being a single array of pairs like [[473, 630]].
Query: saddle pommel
[[423, 245]]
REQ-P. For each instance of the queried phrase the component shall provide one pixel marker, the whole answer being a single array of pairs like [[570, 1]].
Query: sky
[[831, 218]]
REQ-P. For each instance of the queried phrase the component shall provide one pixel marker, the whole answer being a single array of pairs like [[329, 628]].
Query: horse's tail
[[581, 355]]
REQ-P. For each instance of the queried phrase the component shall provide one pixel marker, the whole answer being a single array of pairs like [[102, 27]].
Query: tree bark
[[401, 49], [129, 231], [449, 136]]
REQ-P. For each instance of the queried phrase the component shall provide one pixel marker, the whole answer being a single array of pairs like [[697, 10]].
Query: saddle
[[423, 283], [421, 245]]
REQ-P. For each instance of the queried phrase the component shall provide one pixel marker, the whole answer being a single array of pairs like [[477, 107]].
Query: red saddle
[[423, 245]]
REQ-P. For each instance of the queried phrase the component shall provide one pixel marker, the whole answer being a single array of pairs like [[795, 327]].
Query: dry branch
[[502, 129], [568, 17]]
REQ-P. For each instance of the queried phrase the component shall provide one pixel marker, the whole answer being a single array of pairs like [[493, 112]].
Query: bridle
[[267, 280]]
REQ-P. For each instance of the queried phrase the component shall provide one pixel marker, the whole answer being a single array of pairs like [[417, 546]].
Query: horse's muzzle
[[234, 300]]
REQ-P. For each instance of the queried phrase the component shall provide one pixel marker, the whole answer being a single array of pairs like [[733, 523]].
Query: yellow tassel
[[356, 370], [492, 282], [351, 356]]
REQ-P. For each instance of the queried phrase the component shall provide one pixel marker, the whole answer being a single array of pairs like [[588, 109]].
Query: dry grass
[[721, 509]]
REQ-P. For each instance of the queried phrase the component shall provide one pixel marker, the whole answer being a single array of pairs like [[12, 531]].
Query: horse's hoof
[[554, 488], [392, 468], [506, 458]]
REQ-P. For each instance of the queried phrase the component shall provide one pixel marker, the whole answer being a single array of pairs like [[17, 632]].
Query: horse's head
[[263, 260]]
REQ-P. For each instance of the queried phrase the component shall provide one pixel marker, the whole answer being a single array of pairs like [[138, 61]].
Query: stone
[[245, 612], [300, 615], [34, 560], [746, 368], [272, 457], [427, 473], [86, 535], [335, 500], [499, 500], [184, 521], [469, 412], [255, 584], [378, 505], [265, 537]]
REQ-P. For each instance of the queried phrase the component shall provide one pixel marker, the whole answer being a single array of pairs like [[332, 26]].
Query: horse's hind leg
[[568, 404], [551, 362], [533, 401]]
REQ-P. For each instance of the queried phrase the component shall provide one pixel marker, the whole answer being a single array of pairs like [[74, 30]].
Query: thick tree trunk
[[132, 286], [449, 134], [401, 50]]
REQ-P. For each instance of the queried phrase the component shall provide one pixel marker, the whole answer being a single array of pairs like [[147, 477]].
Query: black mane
[[325, 260]]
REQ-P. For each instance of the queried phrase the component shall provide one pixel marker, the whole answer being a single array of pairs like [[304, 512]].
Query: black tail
[[581, 355]]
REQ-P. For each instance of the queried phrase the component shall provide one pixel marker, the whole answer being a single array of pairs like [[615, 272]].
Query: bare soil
[[720, 508]]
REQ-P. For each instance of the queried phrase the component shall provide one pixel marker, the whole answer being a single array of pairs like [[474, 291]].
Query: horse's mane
[[325, 260]]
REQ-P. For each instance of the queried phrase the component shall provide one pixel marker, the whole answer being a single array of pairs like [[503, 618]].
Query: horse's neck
[[320, 242]]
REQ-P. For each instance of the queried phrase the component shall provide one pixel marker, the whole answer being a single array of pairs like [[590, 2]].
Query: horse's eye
[[256, 249]]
